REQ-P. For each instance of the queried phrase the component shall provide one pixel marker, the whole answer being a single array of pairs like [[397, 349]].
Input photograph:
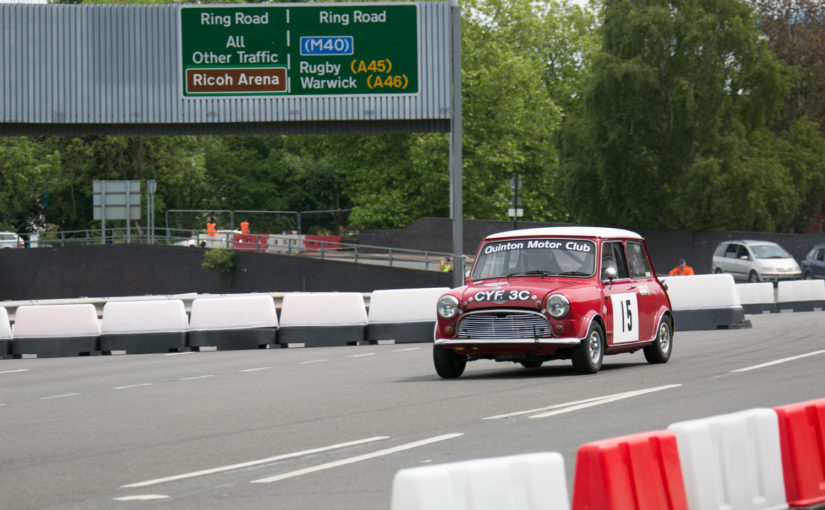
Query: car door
[[647, 291], [620, 296], [818, 264]]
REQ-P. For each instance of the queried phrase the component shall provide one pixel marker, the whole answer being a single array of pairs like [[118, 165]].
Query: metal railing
[[291, 245]]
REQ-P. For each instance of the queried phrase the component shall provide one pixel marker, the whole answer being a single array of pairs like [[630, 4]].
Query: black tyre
[[807, 275], [588, 355], [531, 364], [718, 270], [448, 364], [659, 351], [753, 277]]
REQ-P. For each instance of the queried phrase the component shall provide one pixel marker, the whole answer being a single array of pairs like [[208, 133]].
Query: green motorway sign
[[299, 50]]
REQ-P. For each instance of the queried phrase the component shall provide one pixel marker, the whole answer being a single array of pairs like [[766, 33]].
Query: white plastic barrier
[[757, 297], [800, 295], [144, 326], [520, 482], [5, 326], [5, 332], [241, 321], [707, 301], [322, 318], [55, 330], [732, 461], [403, 315]]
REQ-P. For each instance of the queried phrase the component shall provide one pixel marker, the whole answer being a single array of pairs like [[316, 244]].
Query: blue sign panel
[[327, 45]]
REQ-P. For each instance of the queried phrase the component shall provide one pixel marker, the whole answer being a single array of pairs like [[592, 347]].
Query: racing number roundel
[[625, 317]]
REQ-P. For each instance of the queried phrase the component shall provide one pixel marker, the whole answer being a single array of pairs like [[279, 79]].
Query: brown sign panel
[[236, 80]]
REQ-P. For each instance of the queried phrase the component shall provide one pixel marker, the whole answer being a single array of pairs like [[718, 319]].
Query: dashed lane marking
[[359, 458], [251, 463], [567, 407], [777, 362]]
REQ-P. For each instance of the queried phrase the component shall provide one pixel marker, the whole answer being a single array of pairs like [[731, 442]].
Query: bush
[[221, 261]]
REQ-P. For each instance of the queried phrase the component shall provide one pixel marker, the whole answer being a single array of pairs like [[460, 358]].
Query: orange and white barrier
[[802, 440], [757, 459], [635, 472]]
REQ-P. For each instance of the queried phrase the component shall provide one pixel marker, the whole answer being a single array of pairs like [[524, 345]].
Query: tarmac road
[[312, 428]]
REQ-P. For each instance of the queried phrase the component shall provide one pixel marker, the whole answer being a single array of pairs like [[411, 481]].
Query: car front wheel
[[448, 364], [753, 277], [659, 351], [588, 355]]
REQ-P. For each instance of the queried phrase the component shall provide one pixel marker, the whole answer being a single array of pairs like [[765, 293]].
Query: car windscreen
[[539, 257], [769, 251]]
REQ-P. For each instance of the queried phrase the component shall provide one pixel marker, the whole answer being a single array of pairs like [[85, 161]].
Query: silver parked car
[[755, 261], [11, 240]]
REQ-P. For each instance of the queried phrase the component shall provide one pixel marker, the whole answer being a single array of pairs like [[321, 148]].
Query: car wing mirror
[[610, 273]]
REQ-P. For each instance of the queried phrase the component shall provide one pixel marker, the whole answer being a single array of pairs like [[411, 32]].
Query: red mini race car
[[540, 294]]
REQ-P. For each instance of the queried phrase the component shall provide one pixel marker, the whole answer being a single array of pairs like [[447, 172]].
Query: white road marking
[[142, 497], [251, 463], [14, 371], [196, 377], [606, 400], [568, 407], [131, 386], [179, 353], [410, 349], [361, 355], [359, 458], [254, 369], [313, 361], [60, 396], [777, 362]]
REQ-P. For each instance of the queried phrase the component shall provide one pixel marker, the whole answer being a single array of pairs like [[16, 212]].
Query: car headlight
[[447, 307], [557, 306]]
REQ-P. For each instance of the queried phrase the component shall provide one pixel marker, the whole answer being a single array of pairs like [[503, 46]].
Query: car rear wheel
[[588, 355], [753, 277], [718, 270], [659, 351], [448, 364]]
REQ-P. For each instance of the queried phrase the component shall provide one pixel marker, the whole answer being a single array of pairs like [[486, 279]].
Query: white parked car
[[11, 240], [755, 261]]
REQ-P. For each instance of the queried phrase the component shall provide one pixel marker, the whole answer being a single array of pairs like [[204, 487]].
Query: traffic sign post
[[299, 50]]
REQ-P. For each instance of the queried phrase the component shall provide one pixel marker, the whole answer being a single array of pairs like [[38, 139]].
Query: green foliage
[[671, 113], [678, 125], [221, 261]]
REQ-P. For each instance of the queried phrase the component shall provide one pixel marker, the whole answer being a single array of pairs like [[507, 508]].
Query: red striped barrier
[[802, 439], [635, 472]]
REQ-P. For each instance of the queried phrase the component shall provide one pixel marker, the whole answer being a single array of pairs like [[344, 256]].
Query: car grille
[[503, 325]]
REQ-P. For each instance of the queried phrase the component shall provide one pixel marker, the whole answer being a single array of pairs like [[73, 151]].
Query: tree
[[796, 31], [521, 64], [27, 173], [678, 128]]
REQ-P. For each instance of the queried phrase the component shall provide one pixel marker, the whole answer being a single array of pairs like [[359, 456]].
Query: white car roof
[[603, 232]]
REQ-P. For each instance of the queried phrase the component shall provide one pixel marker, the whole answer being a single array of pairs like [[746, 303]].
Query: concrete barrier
[[707, 301], [48, 331], [635, 472], [322, 319], [139, 327], [5, 332], [403, 315], [533, 481], [241, 321], [757, 297], [802, 439], [732, 461], [800, 295]]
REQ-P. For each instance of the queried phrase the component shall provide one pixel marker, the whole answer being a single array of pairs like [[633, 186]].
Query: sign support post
[[456, 205]]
